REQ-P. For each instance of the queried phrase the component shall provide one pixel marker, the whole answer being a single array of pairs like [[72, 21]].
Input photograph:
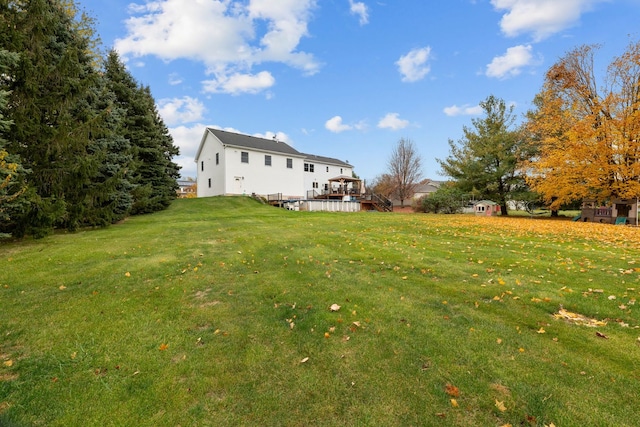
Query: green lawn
[[217, 312]]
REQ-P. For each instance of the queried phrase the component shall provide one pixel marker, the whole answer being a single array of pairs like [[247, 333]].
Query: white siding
[[208, 170], [256, 177]]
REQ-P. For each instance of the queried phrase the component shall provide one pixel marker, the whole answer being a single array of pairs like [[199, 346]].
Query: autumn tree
[[404, 169], [485, 162], [383, 185], [589, 131]]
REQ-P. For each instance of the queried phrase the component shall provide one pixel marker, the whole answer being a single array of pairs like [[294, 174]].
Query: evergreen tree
[[486, 162], [107, 194], [153, 171], [52, 113], [13, 187]]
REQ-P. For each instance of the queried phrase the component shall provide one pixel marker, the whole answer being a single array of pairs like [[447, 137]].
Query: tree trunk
[[503, 209]]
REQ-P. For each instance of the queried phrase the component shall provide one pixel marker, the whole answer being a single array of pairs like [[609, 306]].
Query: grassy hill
[[218, 312]]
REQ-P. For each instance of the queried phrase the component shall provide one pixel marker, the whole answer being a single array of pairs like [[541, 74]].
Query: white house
[[235, 164]]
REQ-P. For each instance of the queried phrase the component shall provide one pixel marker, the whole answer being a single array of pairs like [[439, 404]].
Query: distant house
[[186, 188], [235, 164], [426, 187]]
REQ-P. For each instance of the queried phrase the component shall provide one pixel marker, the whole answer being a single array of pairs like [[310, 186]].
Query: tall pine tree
[[153, 172], [50, 108], [13, 187]]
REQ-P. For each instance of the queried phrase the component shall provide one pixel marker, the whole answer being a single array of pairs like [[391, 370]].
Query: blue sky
[[348, 78]]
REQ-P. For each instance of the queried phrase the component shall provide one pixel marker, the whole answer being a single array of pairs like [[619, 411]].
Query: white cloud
[[360, 9], [541, 18], [237, 83], [413, 66], [229, 37], [464, 110], [511, 63], [393, 122], [188, 140], [175, 79], [180, 110], [334, 124]]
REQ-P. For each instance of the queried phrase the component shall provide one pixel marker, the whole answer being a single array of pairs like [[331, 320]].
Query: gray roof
[[428, 186], [328, 160], [253, 142]]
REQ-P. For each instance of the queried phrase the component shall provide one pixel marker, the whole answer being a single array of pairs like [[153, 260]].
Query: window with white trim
[[244, 157]]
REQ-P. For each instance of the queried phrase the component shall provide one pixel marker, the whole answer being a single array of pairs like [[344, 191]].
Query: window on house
[[244, 157], [217, 158], [340, 171], [308, 167], [209, 182], [202, 165], [327, 168], [315, 185], [267, 160], [289, 163]]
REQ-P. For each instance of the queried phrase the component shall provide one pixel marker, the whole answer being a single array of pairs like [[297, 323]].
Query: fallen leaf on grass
[[127, 274], [452, 390], [500, 406], [62, 287], [454, 403], [334, 307], [601, 335], [578, 319], [163, 347], [305, 360], [8, 363], [541, 331]]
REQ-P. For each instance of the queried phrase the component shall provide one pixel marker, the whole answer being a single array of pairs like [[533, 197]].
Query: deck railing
[[381, 202], [276, 197]]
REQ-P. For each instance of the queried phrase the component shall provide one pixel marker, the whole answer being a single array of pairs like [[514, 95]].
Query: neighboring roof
[[486, 203], [427, 187], [327, 160]]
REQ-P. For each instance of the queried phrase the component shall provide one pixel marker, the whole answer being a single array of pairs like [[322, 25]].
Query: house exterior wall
[[322, 173], [256, 177], [211, 177]]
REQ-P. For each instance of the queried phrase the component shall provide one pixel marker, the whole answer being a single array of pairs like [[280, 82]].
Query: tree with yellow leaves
[[587, 135]]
